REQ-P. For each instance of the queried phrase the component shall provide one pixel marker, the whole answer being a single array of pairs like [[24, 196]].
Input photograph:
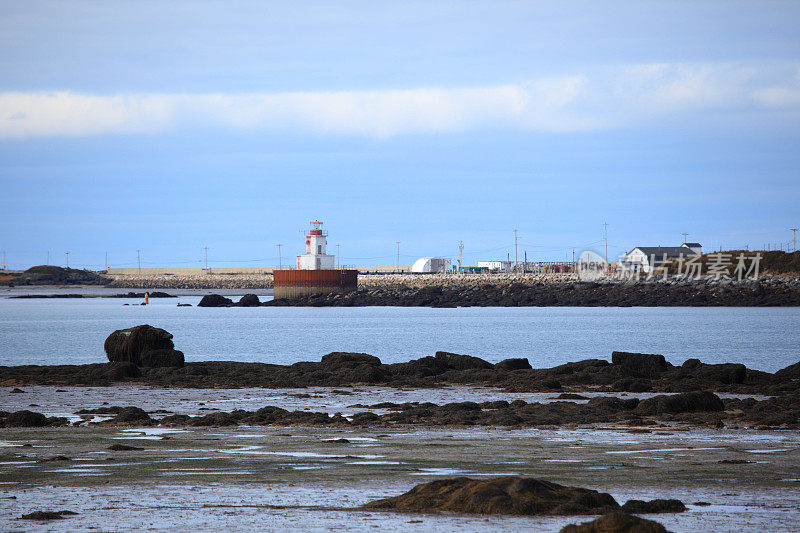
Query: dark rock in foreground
[[616, 522], [509, 495], [143, 346]]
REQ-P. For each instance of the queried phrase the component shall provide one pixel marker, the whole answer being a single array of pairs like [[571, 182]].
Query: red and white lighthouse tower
[[316, 256], [315, 273]]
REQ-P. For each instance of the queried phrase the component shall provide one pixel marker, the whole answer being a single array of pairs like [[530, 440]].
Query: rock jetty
[[768, 292]]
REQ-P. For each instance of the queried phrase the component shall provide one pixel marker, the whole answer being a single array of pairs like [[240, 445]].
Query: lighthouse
[[316, 256], [315, 273]]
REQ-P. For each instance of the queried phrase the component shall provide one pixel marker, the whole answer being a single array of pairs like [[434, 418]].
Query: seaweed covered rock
[[653, 506], [516, 363], [689, 402], [249, 300], [127, 416], [29, 419], [215, 300], [616, 522], [456, 361], [143, 346], [47, 515], [511, 495], [640, 365]]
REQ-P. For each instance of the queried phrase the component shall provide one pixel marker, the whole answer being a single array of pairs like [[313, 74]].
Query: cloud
[[612, 98]]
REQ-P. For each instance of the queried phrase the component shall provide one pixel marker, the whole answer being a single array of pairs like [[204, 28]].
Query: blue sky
[[166, 128]]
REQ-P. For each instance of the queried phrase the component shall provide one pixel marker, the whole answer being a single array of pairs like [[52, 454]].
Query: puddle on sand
[[776, 450], [439, 472], [154, 431], [79, 470], [621, 452], [351, 439], [202, 472], [256, 450], [374, 463]]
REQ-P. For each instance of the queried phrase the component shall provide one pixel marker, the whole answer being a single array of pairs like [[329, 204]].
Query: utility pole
[[338, 261], [525, 261], [4, 259], [205, 249], [605, 238], [106, 261], [139, 261], [460, 253], [684, 236], [280, 263], [398, 256], [794, 238]]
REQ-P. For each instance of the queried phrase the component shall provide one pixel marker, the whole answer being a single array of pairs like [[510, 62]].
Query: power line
[[67, 253], [398, 256], [460, 252], [516, 256], [685, 235], [139, 260]]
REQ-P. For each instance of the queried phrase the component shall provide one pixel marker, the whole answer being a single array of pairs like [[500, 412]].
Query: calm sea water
[[73, 331]]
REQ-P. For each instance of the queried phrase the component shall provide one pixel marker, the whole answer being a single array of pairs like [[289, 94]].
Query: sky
[[170, 127]]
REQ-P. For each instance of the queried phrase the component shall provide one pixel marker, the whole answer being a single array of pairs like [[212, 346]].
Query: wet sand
[[272, 478]]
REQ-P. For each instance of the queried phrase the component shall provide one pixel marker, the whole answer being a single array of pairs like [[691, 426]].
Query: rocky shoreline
[[627, 373]]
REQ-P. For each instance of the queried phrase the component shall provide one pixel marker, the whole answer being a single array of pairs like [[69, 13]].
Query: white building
[[430, 265], [316, 256], [497, 266], [644, 258]]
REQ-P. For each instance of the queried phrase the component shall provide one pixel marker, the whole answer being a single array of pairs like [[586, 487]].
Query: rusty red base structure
[[297, 283]]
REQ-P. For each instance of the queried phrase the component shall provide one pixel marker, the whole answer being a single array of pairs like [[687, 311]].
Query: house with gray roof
[[644, 258]]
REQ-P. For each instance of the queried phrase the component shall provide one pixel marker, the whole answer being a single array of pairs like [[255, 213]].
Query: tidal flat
[[315, 478]]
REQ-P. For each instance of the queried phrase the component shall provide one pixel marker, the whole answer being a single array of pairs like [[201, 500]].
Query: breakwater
[[768, 292]]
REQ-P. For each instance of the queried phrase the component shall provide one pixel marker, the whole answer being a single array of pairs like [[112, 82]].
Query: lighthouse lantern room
[[316, 256]]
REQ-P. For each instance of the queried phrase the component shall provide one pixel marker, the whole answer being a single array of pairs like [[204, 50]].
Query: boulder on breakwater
[[144, 346]]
